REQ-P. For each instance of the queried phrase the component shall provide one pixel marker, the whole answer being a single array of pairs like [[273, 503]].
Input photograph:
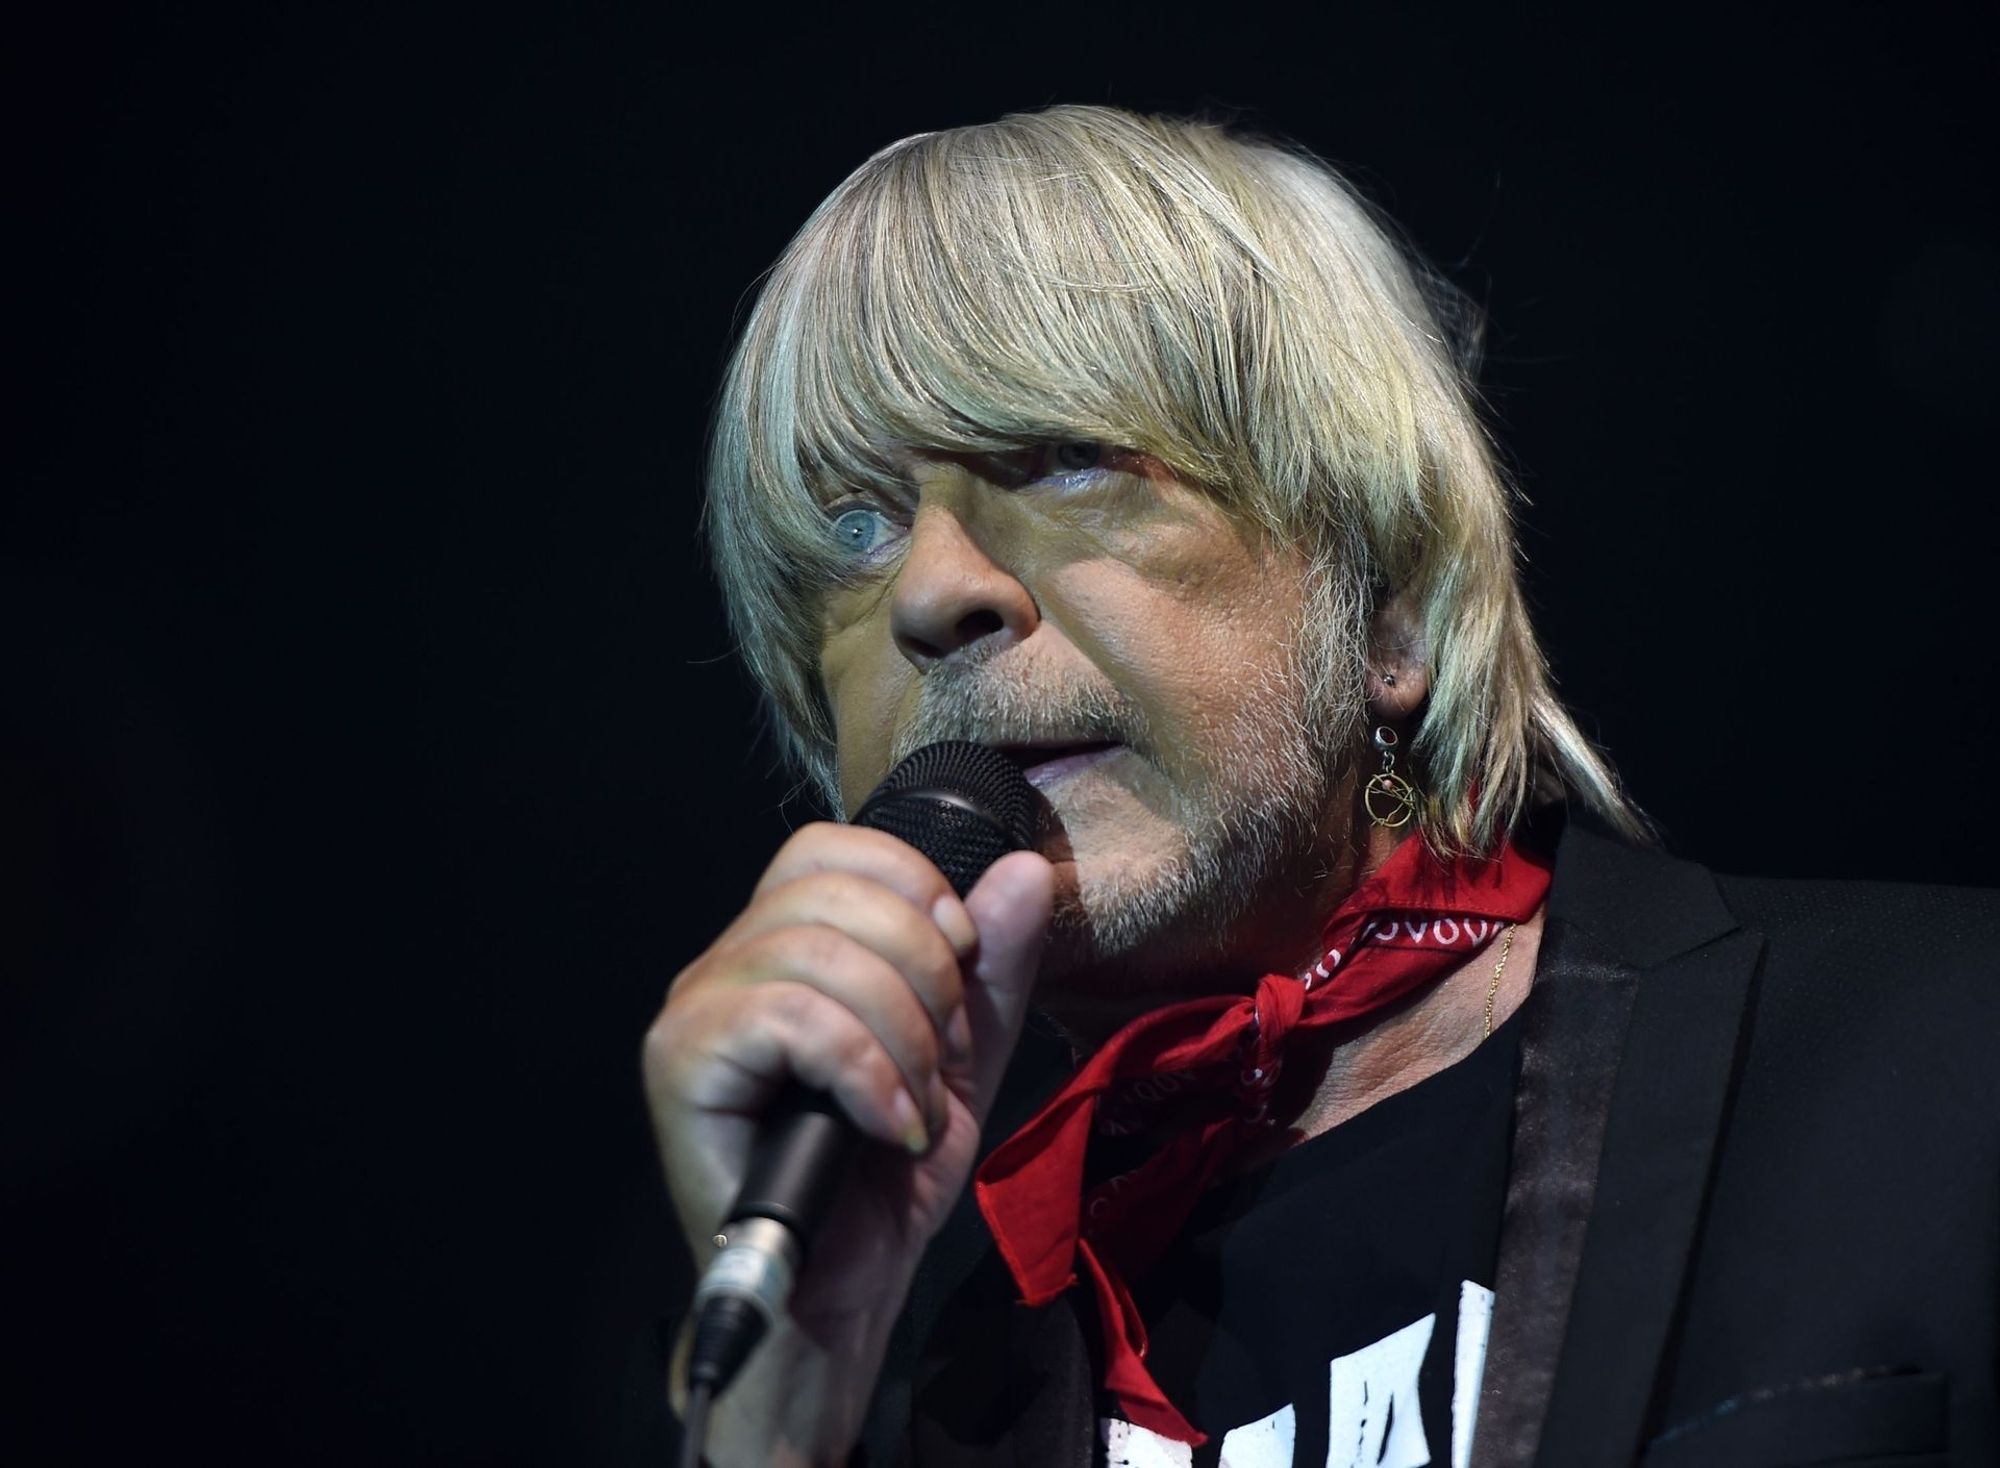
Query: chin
[[1124, 918], [1148, 902]]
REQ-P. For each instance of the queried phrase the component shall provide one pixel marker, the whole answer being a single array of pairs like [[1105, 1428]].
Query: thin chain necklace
[[1506, 947]]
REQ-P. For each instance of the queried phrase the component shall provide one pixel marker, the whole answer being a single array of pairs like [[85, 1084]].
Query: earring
[[1389, 799]]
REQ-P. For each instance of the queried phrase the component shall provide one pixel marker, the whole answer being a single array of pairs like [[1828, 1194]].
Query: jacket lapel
[[1576, 1018], [1628, 1049]]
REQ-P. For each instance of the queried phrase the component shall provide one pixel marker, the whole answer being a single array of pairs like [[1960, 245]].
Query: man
[[1384, 1097]]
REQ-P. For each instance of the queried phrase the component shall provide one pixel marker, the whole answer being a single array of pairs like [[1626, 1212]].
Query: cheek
[[867, 687], [1194, 642]]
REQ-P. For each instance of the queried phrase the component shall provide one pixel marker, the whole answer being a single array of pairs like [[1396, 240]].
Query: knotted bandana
[[1408, 924]]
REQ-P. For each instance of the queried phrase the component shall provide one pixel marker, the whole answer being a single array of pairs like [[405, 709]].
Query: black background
[[373, 755]]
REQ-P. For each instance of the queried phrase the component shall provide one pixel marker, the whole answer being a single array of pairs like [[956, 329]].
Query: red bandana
[[1405, 926]]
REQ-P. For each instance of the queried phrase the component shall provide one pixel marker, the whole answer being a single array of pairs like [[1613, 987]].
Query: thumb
[[1010, 907]]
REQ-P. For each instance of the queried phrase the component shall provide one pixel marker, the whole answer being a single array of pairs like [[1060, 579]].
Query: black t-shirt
[[1343, 1290], [1343, 1287]]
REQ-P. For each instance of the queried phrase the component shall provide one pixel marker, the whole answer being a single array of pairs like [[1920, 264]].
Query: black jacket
[[1753, 1215]]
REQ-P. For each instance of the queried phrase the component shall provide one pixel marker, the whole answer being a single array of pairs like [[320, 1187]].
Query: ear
[[1399, 661]]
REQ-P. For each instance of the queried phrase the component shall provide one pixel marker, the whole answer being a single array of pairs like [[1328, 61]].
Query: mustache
[[990, 706]]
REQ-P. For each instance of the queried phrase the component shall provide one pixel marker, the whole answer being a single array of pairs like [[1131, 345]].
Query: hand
[[854, 970]]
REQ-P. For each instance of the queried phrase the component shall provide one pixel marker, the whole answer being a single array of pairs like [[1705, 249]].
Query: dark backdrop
[[373, 756]]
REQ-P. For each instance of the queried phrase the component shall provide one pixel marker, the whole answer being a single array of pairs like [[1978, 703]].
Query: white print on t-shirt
[[1468, 1366], [1372, 1409], [1374, 1415]]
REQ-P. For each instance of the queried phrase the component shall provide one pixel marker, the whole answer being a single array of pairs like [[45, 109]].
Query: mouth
[[1045, 764]]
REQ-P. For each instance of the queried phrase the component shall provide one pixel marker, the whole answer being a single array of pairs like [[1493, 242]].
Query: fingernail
[[957, 1037], [916, 1140], [956, 925]]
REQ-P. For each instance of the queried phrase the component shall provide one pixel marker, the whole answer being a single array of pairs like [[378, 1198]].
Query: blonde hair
[[1224, 303]]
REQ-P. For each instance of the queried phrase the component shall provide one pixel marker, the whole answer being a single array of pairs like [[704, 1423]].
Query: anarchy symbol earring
[[1389, 799]]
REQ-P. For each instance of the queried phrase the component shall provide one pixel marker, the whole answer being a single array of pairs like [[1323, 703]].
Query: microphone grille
[[961, 804]]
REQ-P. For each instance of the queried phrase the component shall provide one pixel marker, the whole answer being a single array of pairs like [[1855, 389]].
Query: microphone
[[964, 806]]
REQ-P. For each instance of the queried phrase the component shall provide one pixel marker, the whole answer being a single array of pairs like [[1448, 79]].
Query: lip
[[1044, 766]]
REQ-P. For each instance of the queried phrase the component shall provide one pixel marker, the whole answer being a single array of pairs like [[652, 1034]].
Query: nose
[[951, 595]]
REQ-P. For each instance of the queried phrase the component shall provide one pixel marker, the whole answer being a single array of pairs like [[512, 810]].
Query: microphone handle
[[803, 1150]]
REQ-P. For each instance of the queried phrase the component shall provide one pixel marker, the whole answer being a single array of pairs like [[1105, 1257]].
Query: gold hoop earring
[[1389, 799]]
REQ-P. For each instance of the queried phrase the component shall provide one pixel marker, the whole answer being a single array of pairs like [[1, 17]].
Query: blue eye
[[859, 531]]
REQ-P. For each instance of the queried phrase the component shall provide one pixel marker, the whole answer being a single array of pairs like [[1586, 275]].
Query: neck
[[1343, 1072]]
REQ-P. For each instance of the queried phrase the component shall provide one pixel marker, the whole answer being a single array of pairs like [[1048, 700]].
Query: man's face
[[1133, 647]]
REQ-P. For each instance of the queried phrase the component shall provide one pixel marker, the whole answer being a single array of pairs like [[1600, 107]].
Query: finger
[[877, 917], [865, 983], [1010, 906], [710, 1078], [725, 1058], [897, 865]]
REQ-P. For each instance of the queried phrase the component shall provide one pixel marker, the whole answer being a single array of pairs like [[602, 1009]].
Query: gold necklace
[[1506, 947]]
